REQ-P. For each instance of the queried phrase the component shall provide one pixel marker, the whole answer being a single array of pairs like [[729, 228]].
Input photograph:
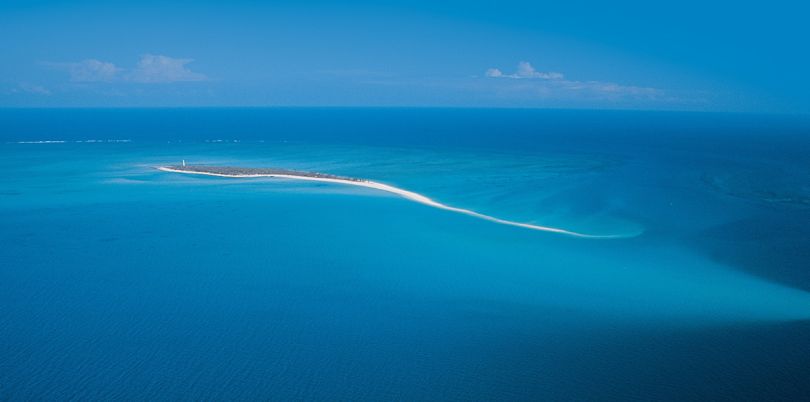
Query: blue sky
[[687, 55]]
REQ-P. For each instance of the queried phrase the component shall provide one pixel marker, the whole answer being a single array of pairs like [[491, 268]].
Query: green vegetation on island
[[244, 171]]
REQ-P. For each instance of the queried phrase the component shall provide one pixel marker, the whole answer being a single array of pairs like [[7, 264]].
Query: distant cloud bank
[[549, 83], [150, 69], [148, 81], [27, 88]]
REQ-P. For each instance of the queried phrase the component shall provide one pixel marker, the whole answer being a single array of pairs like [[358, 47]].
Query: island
[[245, 172]]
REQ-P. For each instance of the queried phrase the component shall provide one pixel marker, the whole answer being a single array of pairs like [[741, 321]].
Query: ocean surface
[[119, 281]]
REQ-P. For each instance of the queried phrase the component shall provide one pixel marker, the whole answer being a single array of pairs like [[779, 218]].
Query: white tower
[[184, 163]]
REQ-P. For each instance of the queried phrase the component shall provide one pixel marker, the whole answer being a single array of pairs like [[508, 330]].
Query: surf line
[[409, 195]]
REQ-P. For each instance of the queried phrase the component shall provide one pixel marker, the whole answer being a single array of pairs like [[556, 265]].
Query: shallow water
[[122, 281]]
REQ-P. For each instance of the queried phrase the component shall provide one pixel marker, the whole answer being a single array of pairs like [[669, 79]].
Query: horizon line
[[516, 108]]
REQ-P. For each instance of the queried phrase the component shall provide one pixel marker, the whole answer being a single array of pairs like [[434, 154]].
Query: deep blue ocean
[[119, 281]]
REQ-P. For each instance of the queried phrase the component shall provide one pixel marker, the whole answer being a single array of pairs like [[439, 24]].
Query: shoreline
[[409, 195]]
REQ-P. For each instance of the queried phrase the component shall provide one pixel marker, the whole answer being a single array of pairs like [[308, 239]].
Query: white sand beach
[[410, 195]]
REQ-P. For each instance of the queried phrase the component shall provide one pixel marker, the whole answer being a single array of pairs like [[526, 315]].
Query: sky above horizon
[[690, 55]]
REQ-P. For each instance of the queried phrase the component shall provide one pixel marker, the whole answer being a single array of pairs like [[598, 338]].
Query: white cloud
[[551, 83], [494, 73], [524, 70], [150, 69], [156, 68]]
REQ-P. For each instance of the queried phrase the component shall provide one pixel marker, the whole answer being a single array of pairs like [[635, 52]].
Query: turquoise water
[[121, 281]]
